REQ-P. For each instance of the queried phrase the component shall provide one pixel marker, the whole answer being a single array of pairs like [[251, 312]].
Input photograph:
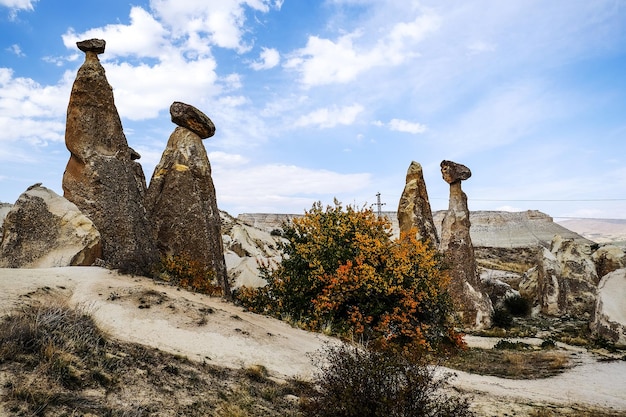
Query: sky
[[333, 99]]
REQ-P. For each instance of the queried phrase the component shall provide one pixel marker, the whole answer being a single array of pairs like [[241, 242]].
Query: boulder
[[414, 211], [182, 204], [472, 303], [564, 280], [102, 177], [189, 117], [607, 258], [44, 230], [609, 318]]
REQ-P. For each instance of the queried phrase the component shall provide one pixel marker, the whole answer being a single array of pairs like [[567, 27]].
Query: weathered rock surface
[[609, 321], [44, 230], [4, 209], [182, 204], [244, 247], [474, 306], [609, 258], [414, 211], [101, 177], [564, 281], [193, 119]]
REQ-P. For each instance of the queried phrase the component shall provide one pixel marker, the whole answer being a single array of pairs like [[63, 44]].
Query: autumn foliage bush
[[343, 273], [190, 274]]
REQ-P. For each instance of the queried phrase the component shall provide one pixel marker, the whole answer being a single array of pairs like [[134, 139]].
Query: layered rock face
[[44, 230], [181, 198], [414, 211], [609, 319], [102, 177], [564, 281], [473, 304]]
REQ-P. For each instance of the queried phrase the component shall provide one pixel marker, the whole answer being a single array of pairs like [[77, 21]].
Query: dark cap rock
[[92, 45], [187, 116], [453, 172]]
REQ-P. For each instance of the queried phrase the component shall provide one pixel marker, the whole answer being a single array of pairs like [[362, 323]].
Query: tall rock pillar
[[414, 211], [181, 198], [473, 304], [102, 177]]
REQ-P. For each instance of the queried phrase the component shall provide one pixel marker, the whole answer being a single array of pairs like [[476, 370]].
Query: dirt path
[[207, 329]]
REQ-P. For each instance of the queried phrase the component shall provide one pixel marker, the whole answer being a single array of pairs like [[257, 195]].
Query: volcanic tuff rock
[[564, 280], [4, 209], [609, 321], [193, 119], [608, 259], [473, 304], [101, 177], [181, 202], [414, 208], [44, 230]]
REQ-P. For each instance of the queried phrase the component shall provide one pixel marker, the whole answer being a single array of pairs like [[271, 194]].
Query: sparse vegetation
[[54, 361], [357, 381], [342, 274], [190, 274]]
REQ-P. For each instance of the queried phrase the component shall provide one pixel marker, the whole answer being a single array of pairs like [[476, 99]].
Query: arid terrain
[[260, 362]]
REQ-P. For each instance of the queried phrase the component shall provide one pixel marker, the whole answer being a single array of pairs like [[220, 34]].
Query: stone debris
[[102, 177], [414, 211], [44, 230]]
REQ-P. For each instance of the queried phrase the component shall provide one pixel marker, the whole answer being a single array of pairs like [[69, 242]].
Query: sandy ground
[[202, 328]]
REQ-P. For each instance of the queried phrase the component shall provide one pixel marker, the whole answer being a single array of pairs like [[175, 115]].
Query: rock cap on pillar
[[187, 116], [92, 45], [453, 172]]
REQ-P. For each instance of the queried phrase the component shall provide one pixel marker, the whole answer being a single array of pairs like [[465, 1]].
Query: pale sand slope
[[179, 322]]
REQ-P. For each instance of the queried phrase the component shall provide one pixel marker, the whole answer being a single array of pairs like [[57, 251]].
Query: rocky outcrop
[[102, 177], [182, 203], [414, 211], [609, 319], [474, 306], [564, 280], [609, 258], [4, 209], [44, 230]]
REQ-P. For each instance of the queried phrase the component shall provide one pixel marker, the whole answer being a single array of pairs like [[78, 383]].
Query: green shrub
[[505, 344], [517, 305], [358, 382], [342, 274], [502, 318]]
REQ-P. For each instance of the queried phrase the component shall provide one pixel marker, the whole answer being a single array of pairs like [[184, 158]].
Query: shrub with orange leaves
[[190, 274], [342, 271]]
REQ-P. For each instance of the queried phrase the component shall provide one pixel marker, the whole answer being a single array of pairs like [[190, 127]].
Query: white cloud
[[143, 37], [406, 126], [330, 116], [219, 22], [479, 47], [16, 5], [268, 58], [324, 61], [15, 49]]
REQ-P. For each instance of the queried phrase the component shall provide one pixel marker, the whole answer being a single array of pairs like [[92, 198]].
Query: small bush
[[361, 382], [188, 273], [517, 305], [502, 318], [506, 344]]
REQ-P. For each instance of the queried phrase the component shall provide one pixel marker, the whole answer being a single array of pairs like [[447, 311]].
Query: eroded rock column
[[102, 177], [473, 305], [181, 198], [414, 212]]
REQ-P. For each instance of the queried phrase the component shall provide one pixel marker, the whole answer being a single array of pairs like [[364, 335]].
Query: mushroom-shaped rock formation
[[101, 177], [181, 199], [471, 301]]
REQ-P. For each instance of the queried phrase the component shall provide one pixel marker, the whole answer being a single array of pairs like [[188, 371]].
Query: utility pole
[[379, 204]]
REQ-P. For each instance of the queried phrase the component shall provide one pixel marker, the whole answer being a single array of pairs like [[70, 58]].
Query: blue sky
[[314, 100]]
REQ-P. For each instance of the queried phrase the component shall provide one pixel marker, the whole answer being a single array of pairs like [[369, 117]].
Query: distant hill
[[598, 230], [497, 229]]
